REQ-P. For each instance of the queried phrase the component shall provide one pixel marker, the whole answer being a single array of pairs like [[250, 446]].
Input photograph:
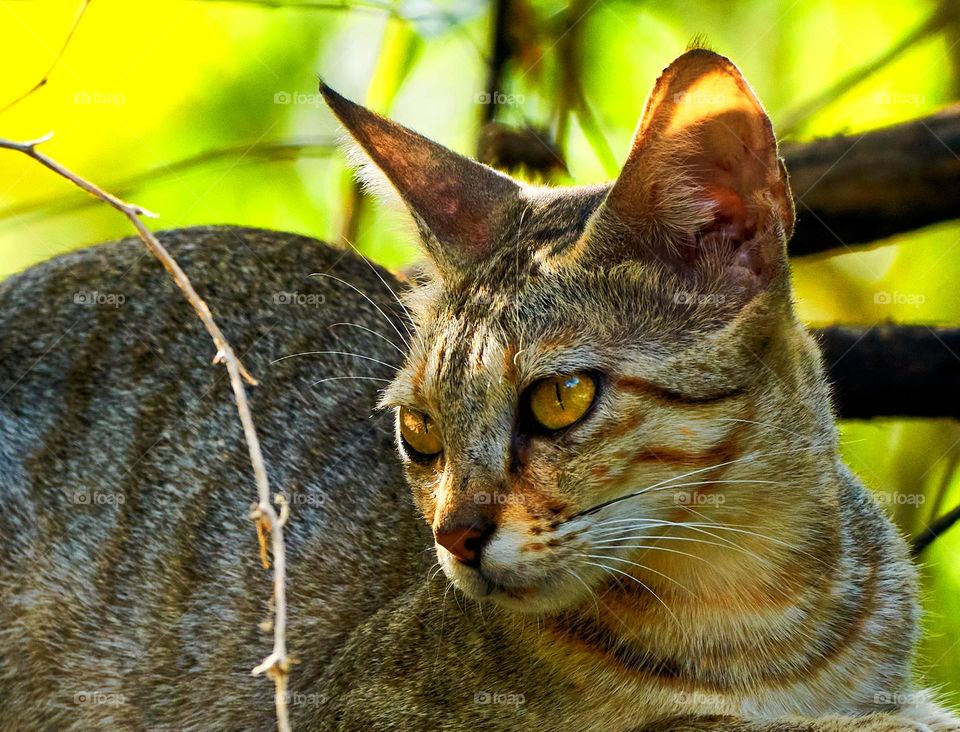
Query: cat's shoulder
[[221, 253]]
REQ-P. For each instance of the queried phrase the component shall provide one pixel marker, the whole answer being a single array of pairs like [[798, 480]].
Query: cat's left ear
[[458, 204], [703, 186]]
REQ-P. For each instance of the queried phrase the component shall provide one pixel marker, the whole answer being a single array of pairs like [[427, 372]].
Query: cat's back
[[127, 558]]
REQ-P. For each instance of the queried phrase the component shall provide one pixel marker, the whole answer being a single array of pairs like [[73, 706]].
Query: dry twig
[[277, 664]]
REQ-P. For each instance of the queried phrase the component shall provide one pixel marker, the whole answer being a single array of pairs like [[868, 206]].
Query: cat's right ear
[[457, 203], [703, 192]]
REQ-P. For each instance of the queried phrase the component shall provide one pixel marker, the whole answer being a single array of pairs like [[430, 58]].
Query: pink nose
[[465, 542]]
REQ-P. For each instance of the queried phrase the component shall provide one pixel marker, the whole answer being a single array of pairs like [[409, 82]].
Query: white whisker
[[367, 298], [590, 592], [641, 566], [337, 353], [646, 546], [350, 376], [372, 332], [389, 289], [644, 586]]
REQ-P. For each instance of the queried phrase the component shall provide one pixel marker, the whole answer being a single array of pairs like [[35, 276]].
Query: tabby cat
[[616, 430]]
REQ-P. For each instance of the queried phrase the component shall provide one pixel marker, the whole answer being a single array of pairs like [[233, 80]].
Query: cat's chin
[[547, 595]]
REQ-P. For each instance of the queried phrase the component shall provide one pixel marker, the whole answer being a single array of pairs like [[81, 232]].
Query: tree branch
[[893, 370], [856, 189], [934, 531], [276, 665], [502, 50]]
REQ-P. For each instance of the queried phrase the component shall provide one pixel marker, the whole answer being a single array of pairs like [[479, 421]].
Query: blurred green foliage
[[143, 89]]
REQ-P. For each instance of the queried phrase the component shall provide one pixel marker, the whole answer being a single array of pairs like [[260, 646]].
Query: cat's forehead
[[543, 225], [535, 307], [535, 289]]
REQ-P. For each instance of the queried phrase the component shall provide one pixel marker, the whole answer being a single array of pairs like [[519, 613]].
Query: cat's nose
[[465, 542]]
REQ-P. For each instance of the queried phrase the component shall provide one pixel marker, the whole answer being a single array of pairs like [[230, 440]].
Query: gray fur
[[156, 602]]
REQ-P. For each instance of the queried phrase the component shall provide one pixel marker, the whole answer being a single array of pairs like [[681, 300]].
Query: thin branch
[[371, 6], [594, 134], [242, 154], [277, 664], [937, 20], [56, 60], [943, 487], [935, 530], [502, 50]]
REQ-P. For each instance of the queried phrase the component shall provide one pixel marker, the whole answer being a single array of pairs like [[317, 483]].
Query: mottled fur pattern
[[691, 555]]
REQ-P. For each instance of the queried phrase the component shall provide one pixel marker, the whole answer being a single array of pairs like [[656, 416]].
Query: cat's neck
[[714, 615]]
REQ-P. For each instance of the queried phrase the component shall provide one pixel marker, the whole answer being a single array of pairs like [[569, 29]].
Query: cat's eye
[[560, 401], [419, 432]]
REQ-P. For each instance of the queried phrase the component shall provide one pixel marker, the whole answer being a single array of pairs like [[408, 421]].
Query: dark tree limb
[[896, 371], [501, 50], [855, 189], [893, 370], [934, 530]]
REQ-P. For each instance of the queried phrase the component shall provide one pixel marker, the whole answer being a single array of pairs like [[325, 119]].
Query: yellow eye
[[419, 432], [560, 401]]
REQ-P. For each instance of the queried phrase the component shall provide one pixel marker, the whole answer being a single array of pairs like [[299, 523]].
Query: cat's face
[[588, 367]]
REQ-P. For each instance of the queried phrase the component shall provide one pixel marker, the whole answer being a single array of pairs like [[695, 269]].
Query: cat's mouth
[[493, 588], [513, 591]]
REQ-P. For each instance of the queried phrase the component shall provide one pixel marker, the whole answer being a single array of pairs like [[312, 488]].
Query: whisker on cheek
[[614, 570]]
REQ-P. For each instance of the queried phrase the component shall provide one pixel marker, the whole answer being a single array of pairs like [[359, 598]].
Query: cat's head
[[595, 369]]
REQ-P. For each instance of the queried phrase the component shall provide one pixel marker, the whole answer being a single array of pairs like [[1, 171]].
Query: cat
[[616, 439]]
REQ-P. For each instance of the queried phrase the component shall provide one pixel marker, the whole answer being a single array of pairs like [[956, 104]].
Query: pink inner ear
[[730, 167], [731, 219], [731, 232]]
